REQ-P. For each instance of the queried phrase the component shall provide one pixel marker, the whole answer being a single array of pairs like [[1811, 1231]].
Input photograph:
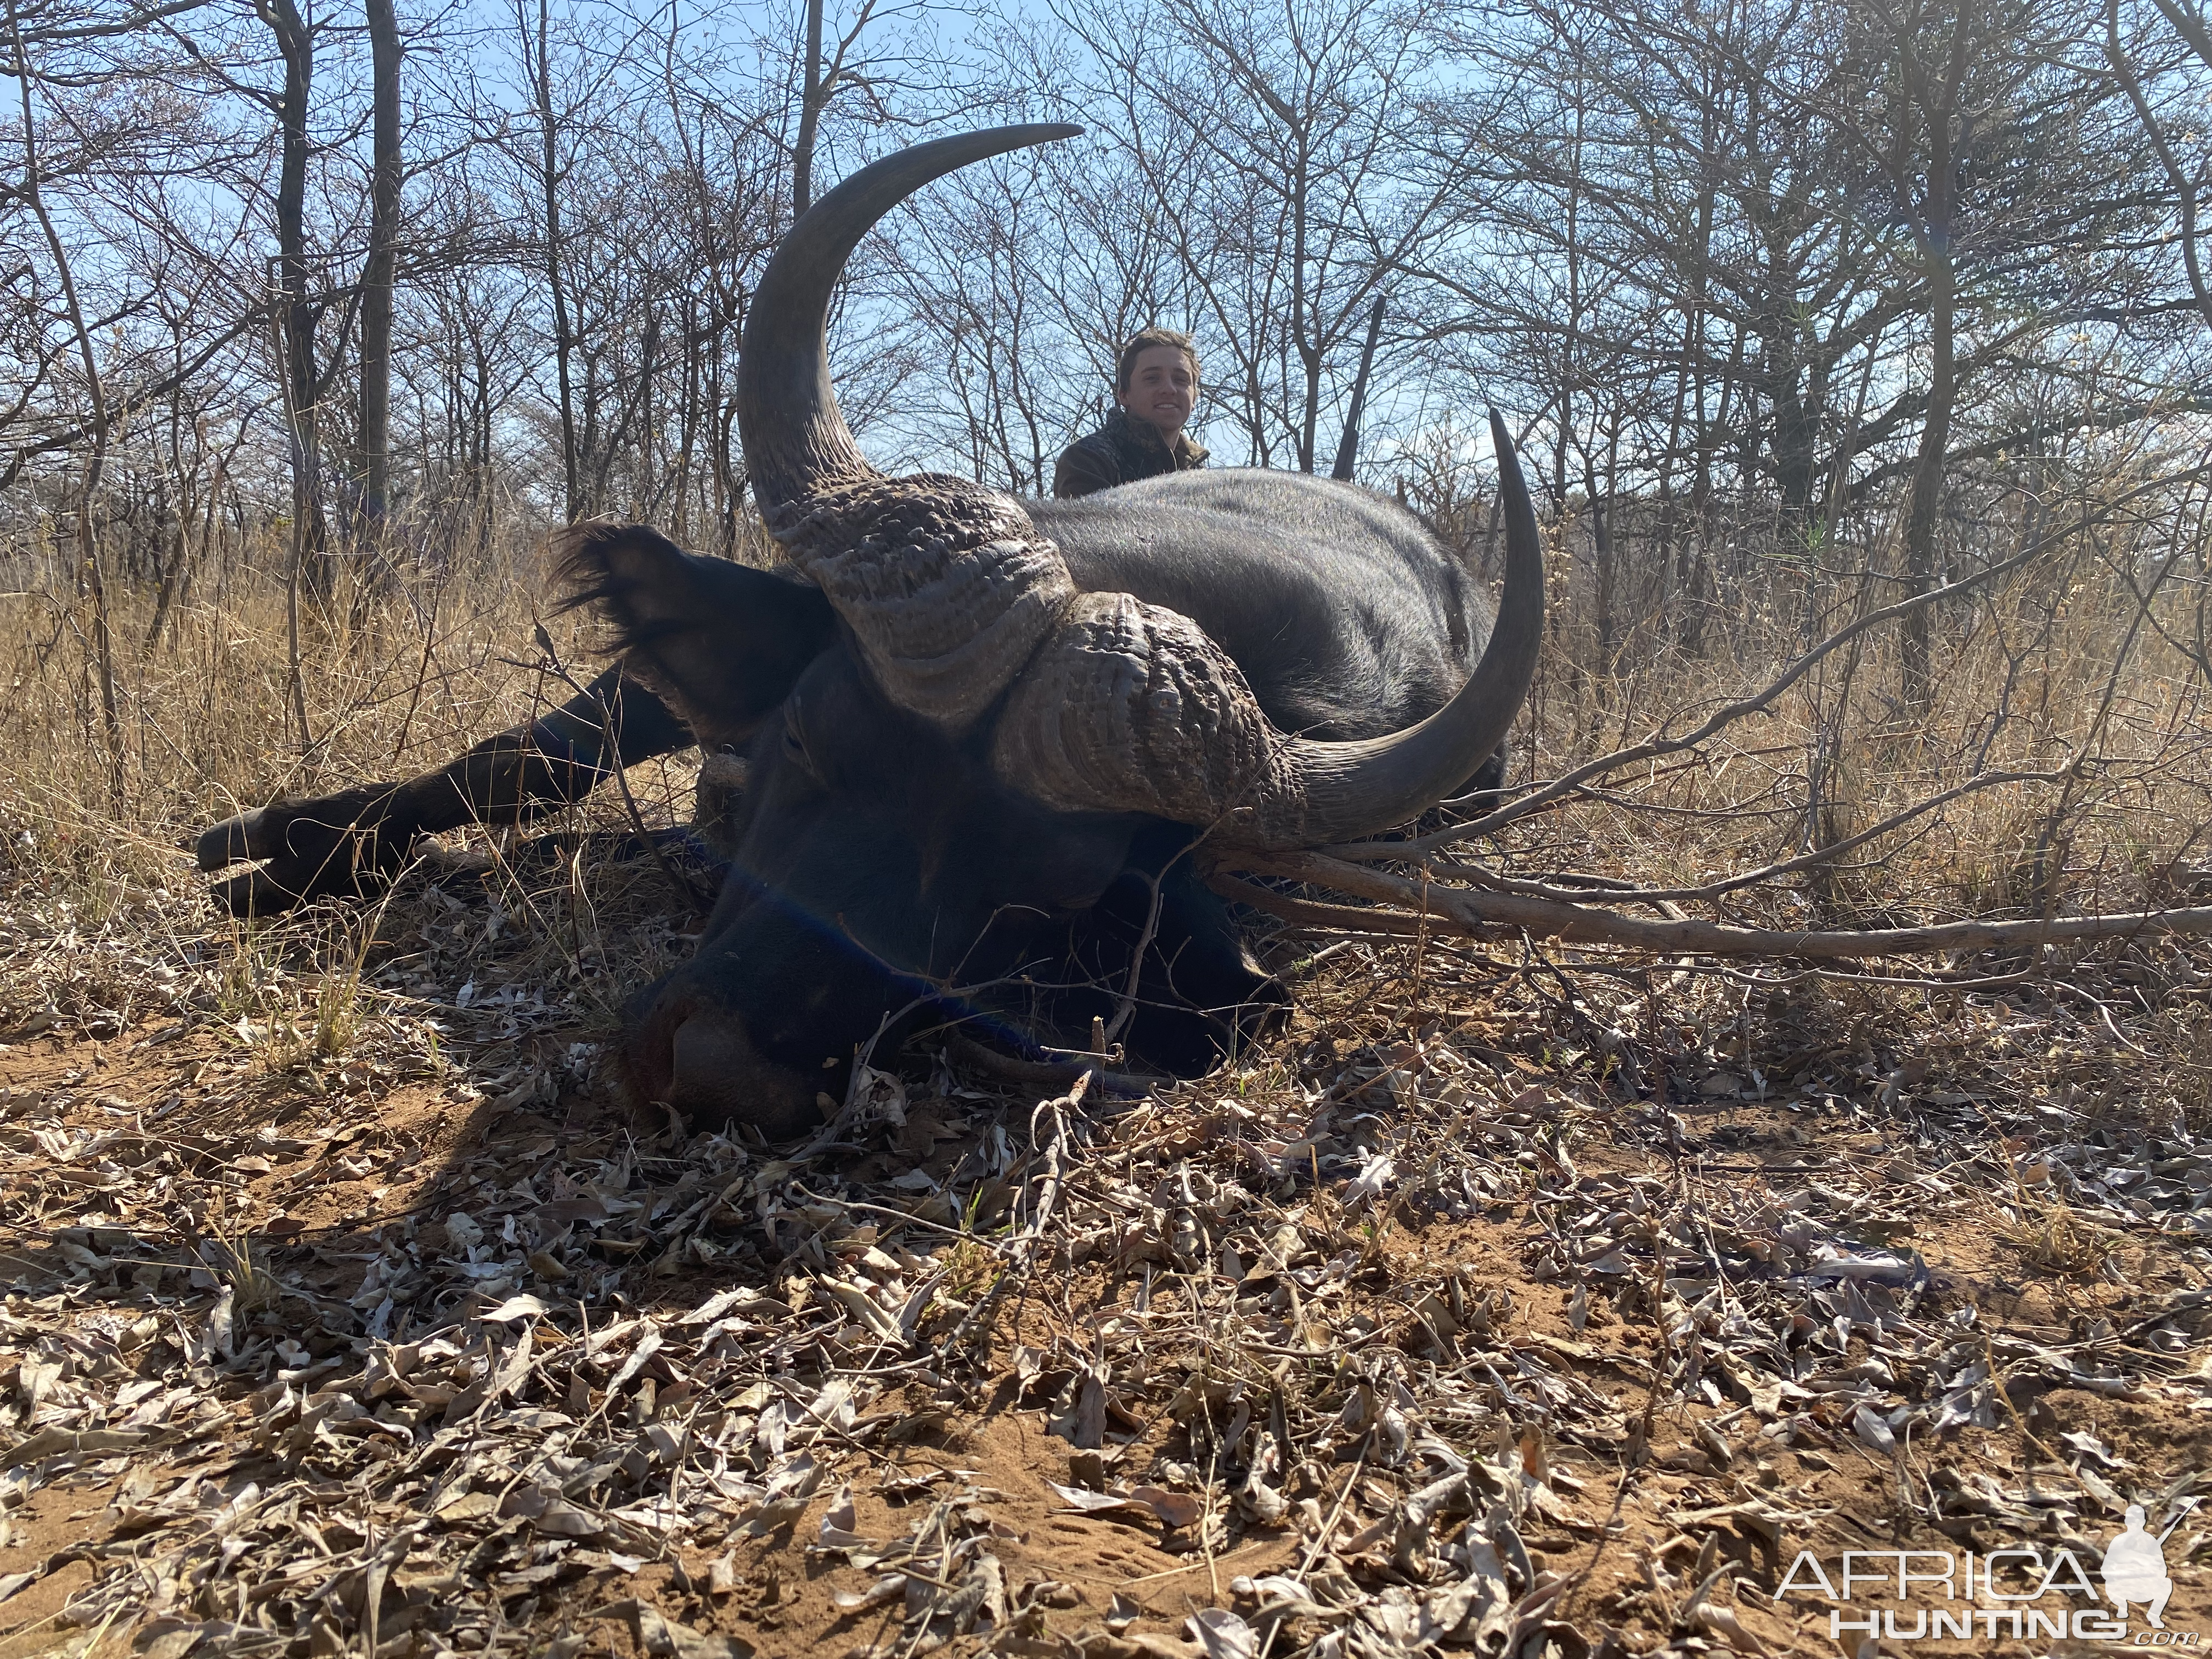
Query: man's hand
[[349, 845]]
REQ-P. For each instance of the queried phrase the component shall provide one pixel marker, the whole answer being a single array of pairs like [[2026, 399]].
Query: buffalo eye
[[795, 744]]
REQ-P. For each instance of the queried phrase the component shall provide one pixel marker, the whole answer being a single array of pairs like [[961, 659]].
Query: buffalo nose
[[716, 1077]]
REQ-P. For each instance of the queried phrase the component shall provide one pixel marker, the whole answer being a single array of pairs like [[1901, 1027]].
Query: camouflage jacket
[[1120, 451]]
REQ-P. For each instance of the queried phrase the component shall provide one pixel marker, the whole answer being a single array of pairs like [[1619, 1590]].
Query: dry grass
[[204, 712], [101, 901], [398, 681], [2052, 1240], [393, 686]]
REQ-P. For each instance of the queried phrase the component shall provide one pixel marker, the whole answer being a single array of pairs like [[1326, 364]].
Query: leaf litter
[[1420, 1332]]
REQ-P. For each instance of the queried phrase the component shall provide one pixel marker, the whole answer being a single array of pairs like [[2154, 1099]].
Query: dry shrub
[[2121, 833], [2051, 1240], [103, 920]]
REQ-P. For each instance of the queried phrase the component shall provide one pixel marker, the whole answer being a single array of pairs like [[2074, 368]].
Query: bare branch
[[1441, 909]]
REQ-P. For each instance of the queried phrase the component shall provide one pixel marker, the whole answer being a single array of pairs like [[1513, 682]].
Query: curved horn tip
[[875, 187], [1510, 478], [1021, 134], [794, 436]]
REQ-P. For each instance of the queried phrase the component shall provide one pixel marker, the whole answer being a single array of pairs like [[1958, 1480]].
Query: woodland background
[[315, 321]]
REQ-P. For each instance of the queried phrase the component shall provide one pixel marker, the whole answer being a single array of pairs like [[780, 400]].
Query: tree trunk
[[377, 277], [1603, 555], [556, 280], [813, 93], [1939, 106], [1928, 482], [89, 575], [1348, 448], [296, 311]]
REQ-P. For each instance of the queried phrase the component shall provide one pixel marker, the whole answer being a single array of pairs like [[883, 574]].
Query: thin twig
[[610, 726]]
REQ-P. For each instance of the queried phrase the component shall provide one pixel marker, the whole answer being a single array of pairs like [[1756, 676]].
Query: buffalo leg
[[353, 842]]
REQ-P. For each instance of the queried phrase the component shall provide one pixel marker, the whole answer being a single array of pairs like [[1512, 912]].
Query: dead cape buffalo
[[979, 733]]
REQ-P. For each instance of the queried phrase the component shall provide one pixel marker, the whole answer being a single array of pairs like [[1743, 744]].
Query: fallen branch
[[1047, 1073], [1456, 911], [1311, 912]]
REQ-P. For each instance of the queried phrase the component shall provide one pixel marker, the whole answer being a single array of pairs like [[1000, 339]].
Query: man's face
[[1161, 388]]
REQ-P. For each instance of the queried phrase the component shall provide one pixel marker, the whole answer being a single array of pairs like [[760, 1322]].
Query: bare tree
[[820, 79], [2188, 183], [1923, 159], [376, 307], [1267, 144], [551, 168], [89, 572]]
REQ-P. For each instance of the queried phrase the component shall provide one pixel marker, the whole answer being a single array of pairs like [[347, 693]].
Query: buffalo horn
[[1131, 708], [947, 587], [949, 591]]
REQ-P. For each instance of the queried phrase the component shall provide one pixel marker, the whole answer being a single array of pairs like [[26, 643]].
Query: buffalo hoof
[[347, 845], [237, 841]]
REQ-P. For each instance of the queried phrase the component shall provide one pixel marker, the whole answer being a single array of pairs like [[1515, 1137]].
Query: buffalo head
[[979, 768]]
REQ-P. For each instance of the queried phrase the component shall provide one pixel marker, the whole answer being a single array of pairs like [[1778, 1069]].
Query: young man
[[1155, 383]]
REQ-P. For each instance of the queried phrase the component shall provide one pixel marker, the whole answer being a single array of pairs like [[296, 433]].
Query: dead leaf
[[838, 1522], [1175, 1508], [1223, 1635], [1094, 1502], [173, 1644], [664, 1638], [1870, 1427]]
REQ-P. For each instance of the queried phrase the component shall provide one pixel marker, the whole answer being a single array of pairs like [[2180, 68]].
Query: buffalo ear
[[721, 642]]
